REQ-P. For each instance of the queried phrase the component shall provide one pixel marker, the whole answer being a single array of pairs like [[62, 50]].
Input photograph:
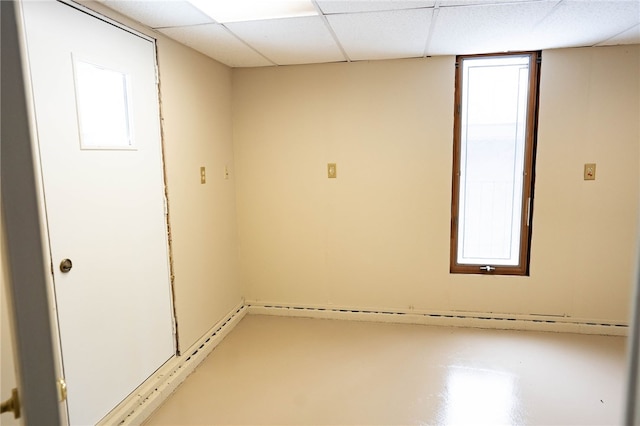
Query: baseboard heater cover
[[138, 406], [446, 319]]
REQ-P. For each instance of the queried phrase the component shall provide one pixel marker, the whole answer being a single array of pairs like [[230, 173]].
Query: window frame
[[528, 181]]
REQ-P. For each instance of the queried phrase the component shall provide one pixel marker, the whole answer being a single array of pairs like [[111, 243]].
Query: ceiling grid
[[363, 30], [333, 33], [434, 22]]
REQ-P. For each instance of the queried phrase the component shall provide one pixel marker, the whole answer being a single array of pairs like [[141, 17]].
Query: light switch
[[332, 171], [203, 175], [590, 171]]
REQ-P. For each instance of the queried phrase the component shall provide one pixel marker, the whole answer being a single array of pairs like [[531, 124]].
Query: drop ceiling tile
[[290, 41], [586, 23], [158, 14], [216, 42], [487, 28], [354, 6], [449, 3], [631, 36], [383, 35], [224, 11]]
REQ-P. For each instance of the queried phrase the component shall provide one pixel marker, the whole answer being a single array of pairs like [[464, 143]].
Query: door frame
[[28, 287]]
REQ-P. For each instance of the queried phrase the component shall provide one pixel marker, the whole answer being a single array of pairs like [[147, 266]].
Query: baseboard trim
[[138, 406], [446, 319]]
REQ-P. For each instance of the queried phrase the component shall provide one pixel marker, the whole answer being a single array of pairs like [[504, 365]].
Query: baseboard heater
[[531, 322], [138, 406]]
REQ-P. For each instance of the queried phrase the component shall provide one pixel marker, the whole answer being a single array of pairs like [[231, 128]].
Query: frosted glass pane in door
[[493, 128], [102, 97]]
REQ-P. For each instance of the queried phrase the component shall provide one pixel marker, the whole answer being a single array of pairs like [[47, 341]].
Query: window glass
[[103, 107]]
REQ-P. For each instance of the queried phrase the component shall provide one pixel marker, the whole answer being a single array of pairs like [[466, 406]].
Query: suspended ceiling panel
[[354, 30], [486, 28], [216, 41], [290, 40], [631, 36], [160, 13], [400, 33], [351, 6], [455, 3], [569, 20]]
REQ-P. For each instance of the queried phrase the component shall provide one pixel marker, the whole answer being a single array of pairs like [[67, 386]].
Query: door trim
[[91, 12], [29, 298]]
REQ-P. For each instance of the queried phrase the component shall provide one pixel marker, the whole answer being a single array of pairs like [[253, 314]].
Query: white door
[[96, 108]]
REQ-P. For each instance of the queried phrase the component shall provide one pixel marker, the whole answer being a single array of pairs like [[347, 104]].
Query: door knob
[[12, 405], [66, 265]]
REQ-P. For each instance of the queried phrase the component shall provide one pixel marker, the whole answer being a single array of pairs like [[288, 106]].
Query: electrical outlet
[[203, 175], [590, 171], [332, 171]]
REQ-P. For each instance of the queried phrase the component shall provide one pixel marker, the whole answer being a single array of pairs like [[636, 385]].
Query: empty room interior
[[336, 248]]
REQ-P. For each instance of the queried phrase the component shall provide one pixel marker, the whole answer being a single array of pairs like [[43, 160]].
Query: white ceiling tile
[[631, 36], [215, 41], [353, 6], [383, 35], [290, 41], [160, 13], [577, 23], [487, 28], [449, 3], [255, 10], [386, 29]]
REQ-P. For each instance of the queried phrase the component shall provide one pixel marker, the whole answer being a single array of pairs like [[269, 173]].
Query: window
[[103, 100], [496, 102]]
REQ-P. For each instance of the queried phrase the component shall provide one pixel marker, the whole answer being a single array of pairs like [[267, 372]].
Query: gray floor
[[295, 371]]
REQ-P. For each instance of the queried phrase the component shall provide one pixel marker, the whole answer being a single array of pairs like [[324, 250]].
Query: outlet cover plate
[[590, 171], [332, 171]]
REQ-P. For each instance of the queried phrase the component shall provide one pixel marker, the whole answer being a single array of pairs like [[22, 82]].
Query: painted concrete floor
[[296, 371]]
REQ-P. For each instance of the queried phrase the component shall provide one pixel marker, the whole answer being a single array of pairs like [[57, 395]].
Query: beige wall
[[378, 236], [587, 231], [196, 110]]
